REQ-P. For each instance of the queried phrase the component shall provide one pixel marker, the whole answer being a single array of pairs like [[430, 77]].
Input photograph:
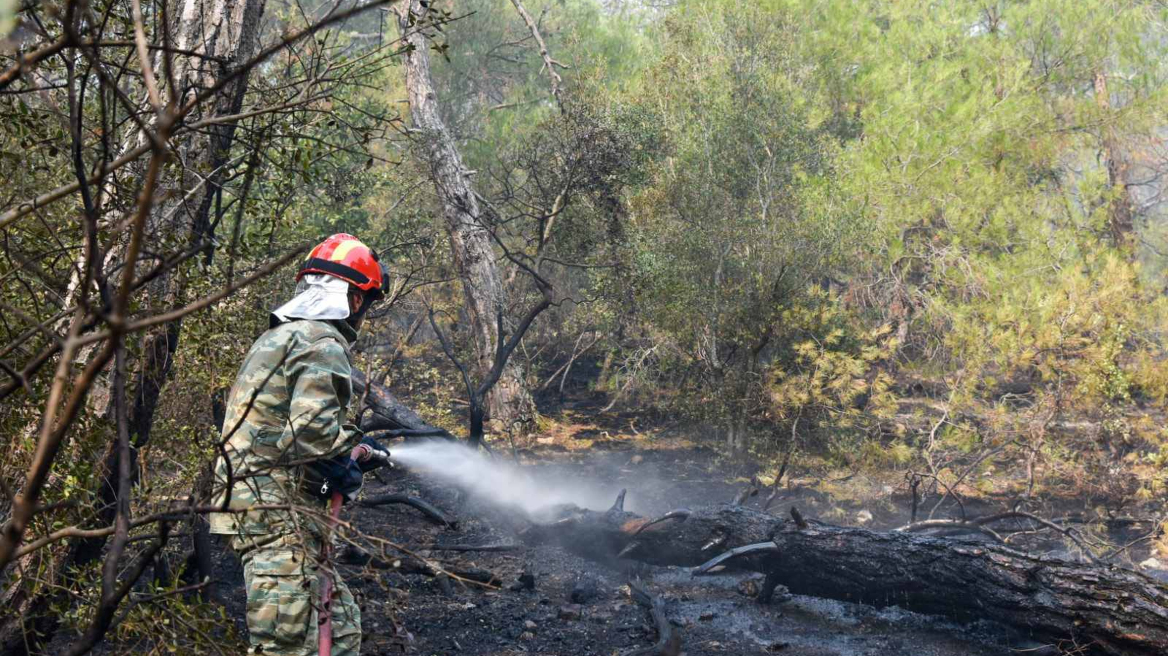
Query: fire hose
[[325, 629], [360, 453]]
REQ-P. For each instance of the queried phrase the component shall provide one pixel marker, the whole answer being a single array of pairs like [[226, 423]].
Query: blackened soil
[[418, 614], [421, 615]]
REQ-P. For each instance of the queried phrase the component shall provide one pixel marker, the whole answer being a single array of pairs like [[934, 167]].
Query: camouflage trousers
[[282, 575]]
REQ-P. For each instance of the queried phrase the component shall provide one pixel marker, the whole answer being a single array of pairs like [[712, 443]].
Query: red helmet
[[344, 256]]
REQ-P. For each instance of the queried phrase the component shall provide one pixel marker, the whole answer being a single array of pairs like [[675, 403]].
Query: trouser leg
[[346, 621], [282, 578], [280, 574]]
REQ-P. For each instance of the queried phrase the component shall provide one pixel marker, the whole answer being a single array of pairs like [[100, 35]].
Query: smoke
[[491, 480]]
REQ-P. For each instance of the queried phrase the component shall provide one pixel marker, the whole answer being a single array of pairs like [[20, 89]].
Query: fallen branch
[[415, 565], [783, 468], [978, 525], [678, 514], [668, 641], [386, 413], [951, 525], [720, 562], [477, 547], [424, 507], [751, 490]]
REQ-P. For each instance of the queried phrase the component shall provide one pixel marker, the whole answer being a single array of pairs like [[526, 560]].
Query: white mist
[[492, 480]]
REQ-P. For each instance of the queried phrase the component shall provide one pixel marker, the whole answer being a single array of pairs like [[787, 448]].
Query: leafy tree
[[738, 218]]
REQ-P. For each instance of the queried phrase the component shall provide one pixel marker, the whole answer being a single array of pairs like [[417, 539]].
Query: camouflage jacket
[[288, 407]]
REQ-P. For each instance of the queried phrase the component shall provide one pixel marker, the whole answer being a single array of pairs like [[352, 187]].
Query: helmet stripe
[[342, 249]]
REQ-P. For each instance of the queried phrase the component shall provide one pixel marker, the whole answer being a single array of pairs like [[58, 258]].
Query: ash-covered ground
[[583, 607]]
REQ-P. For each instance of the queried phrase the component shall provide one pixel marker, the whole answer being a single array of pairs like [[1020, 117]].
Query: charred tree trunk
[[383, 412], [27, 621], [1069, 605], [227, 33], [509, 401], [1104, 610]]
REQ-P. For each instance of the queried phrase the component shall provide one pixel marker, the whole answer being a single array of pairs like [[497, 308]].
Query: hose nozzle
[[371, 455]]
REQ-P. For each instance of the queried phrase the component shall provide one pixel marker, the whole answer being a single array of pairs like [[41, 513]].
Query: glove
[[340, 474], [370, 455]]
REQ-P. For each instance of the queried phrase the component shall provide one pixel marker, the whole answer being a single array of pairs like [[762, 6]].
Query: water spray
[[496, 481]]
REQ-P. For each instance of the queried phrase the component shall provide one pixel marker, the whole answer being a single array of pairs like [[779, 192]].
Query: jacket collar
[[341, 325]]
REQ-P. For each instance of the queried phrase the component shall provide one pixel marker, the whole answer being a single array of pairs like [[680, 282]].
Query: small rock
[[529, 625], [751, 585], [863, 517], [570, 612], [780, 595], [637, 459], [526, 582], [585, 590], [527, 635], [1152, 563], [601, 617], [707, 615]]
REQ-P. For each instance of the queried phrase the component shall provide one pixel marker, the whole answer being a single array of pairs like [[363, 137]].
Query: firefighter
[[289, 444]]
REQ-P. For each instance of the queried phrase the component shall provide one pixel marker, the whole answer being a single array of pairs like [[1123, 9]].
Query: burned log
[[383, 412], [1106, 610], [678, 537], [428, 509], [1098, 609]]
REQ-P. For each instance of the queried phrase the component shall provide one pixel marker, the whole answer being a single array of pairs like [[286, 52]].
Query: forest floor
[[578, 606], [583, 607]]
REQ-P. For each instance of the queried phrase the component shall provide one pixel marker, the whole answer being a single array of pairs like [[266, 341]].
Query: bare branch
[[548, 63]]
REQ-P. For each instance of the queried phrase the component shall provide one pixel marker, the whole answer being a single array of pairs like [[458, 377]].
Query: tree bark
[[383, 412], [509, 401], [1121, 213], [225, 33], [1105, 610], [27, 622]]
